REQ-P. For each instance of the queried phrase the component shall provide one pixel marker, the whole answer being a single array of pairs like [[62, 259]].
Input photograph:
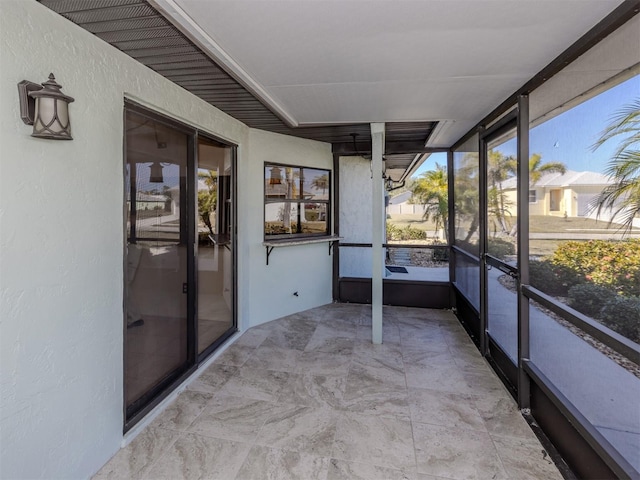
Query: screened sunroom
[[318, 239]]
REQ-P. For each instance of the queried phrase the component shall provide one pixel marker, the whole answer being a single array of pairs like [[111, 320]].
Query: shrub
[[589, 298], [552, 279], [602, 262], [500, 248], [407, 233], [622, 314]]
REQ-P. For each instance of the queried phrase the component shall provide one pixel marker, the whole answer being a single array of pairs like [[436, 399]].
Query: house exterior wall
[[62, 236], [355, 216], [572, 200], [306, 269]]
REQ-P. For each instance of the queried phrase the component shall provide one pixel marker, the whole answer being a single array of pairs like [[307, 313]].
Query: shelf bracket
[[331, 244], [269, 250]]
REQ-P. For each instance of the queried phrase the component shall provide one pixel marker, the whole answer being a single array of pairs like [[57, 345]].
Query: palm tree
[[500, 167], [431, 191], [622, 197], [537, 169], [208, 199], [467, 194], [321, 183]]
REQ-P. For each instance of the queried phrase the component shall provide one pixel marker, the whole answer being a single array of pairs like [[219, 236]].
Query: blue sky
[[568, 138]]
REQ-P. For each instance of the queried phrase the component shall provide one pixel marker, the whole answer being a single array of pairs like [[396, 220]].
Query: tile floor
[[309, 397]]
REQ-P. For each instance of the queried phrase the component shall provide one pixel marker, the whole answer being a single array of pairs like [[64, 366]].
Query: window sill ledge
[[285, 242], [289, 242]]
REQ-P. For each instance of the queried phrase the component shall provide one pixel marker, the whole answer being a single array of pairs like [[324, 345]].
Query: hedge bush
[[622, 314], [500, 248], [589, 298], [608, 263], [552, 279], [407, 233]]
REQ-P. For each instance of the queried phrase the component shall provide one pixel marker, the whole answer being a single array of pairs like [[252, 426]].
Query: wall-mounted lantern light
[[46, 108], [155, 173], [276, 176]]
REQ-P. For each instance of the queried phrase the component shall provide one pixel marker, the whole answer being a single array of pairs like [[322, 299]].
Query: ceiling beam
[[391, 148]]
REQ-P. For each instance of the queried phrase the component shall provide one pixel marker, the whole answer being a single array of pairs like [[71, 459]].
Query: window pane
[[314, 218], [466, 196], [582, 253], [280, 218], [502, 198], [214, 254], [286, 211], [605, 391], [584, 246], [156, 308], [316, 184], [281, 182], [468, 278]]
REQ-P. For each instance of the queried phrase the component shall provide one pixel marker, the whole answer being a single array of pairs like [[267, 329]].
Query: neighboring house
[[569, 194], [151, 202]]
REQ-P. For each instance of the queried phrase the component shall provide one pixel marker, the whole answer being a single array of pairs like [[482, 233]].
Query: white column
[[378, 230]]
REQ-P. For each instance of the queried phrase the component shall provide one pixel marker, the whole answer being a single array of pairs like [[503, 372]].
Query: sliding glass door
[[156, 251], [179, 285], [215, 245]]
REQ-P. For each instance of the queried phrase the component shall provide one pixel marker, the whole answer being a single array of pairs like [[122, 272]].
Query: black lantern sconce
[[155, 173], [46, 108]]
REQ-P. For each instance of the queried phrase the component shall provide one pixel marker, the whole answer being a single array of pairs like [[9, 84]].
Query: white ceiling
[[354, 61]]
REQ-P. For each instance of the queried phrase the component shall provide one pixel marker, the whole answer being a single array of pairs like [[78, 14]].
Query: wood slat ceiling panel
[[69, 6], [142, 34], [137, 29], [111, 14], [163, 42], [132, 24]]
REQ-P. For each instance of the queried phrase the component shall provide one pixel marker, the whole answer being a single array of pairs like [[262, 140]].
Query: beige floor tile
[[300, 429], [446, 409], [309, 396], [457, 453], [343, 470], [213, 378], [374, 440], [138, 456], [265, 463], [525, 459], [271, 357], [235, 355], [197, 457], [256, 383], [234, 418], [502, 417], [315, 390], [183, 411], [321, 363]]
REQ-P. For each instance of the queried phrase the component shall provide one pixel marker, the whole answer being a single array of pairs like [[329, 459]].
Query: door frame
[[158, 393], [490, 349]]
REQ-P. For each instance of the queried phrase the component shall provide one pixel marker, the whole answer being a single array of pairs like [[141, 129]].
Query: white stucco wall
[[355, 216], [61, 242], [306, 269]]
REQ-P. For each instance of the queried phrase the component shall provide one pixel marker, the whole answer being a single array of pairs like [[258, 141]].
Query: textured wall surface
[[355, 216], [61, 242], [306, 269]]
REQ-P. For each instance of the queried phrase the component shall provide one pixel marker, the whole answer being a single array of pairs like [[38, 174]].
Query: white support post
[[378, 230]]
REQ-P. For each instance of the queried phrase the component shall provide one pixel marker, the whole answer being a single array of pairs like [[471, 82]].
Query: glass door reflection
[[156, 259], [215, 272]]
